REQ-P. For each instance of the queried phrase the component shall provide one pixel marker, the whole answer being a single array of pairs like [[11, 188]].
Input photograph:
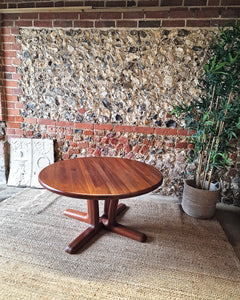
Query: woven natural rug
[[184, 258]]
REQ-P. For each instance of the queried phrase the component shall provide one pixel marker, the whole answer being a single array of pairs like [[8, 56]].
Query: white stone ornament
[[2, 163], [27, 158]]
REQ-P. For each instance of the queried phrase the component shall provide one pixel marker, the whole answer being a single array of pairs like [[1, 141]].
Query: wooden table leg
[[106, 207], [120, 208], [78, 215], [125, 231], [110, 222], [92, 217]]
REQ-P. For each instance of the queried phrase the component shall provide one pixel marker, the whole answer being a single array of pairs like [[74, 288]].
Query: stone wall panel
[[109, 76]]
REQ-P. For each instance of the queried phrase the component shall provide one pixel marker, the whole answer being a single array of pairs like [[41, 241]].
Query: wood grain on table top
[[100, 178]]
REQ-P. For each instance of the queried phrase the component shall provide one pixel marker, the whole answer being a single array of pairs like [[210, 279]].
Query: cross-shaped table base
[[108, 221]]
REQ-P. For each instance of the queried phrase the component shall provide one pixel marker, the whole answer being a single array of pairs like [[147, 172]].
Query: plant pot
[[199, 203]]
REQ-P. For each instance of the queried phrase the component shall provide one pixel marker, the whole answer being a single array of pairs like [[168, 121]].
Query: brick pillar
[[2, 100]]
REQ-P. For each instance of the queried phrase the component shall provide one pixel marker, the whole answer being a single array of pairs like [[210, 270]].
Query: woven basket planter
[[199, 203]]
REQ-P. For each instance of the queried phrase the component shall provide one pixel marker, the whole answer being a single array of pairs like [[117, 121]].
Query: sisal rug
[[183, 258]]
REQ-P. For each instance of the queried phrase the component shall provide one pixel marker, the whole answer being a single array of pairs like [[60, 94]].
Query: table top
[[100, 178]]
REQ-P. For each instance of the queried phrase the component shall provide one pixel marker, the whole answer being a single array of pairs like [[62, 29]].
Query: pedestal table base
[[107, 221]]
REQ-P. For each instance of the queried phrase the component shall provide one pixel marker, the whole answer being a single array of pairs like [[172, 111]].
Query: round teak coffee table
[[100, 178]]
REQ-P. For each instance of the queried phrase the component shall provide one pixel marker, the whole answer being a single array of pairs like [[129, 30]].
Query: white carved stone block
[[2, 163], [27, 158], [42, 156]]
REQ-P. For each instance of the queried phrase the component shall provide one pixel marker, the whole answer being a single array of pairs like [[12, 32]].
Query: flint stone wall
[[109, 76], [80, 86]]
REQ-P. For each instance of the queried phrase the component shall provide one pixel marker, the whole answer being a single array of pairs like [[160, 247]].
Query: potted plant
[[214, 119]]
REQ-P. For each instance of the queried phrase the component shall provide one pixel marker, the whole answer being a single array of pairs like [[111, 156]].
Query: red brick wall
[[171, 13], [106, 139]]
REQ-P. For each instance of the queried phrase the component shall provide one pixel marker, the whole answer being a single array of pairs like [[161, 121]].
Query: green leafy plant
[[215, 116]]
